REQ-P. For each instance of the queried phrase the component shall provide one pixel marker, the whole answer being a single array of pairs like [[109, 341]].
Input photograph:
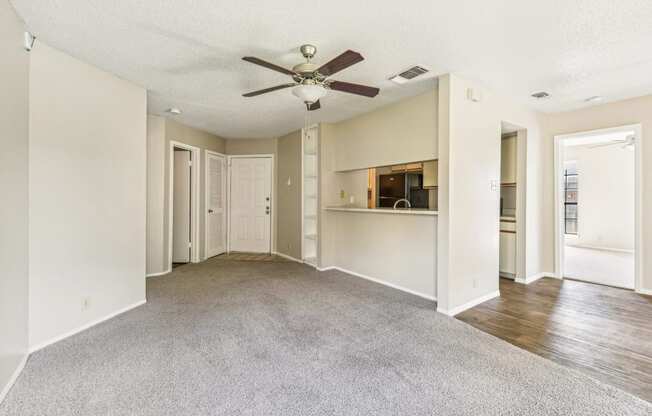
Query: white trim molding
[[642, 291], [159, 273], [468, 305], [84, 327], [534, 278], [379, 281], [14, 377]]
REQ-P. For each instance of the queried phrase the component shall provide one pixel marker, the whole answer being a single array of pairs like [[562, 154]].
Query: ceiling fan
[[627, 143], [311, 81]]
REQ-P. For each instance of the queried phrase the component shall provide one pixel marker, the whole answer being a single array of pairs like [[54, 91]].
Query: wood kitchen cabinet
[[508, 159]]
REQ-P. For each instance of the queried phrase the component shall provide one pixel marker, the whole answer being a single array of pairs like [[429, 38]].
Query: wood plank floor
[[602, 331]]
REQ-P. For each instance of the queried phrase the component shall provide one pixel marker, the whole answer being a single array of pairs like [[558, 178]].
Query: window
[[570, 199]]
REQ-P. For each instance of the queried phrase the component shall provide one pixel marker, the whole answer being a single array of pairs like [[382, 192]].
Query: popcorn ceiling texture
[[229, 337], [187, 52]]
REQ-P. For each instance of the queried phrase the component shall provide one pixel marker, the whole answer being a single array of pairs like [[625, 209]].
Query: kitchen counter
[[400, 211]]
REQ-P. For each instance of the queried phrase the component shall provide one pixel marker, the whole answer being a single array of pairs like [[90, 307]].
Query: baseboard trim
[[159, 273], [617, 250], [468, 305], [285, 256], [379, 281], [13, 378], [42, 345], [642, 291], [529, 279]]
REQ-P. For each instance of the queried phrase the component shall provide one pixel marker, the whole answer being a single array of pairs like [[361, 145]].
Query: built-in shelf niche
[[310, 194]]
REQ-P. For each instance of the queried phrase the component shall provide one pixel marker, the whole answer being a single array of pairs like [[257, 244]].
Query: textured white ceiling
[[187, 52]]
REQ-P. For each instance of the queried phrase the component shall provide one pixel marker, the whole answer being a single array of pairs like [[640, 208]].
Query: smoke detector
[[408, 74], [174, 111]]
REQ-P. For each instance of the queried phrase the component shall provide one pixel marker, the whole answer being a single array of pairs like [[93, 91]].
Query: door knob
[[210, 211]]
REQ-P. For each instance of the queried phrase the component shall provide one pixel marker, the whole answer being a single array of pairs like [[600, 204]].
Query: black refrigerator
[[395, 186]]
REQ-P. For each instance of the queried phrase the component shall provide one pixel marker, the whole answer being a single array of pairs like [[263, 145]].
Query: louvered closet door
[[215, 204]]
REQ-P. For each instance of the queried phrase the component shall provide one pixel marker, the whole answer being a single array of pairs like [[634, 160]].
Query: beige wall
[[634, 111], [157, 260], [14, 84], [288, 238], [402, 132], [469, 160], [87, 179], [398, 250], [250, 146]]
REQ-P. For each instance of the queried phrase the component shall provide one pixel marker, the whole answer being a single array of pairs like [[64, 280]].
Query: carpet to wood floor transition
[[279, 338]]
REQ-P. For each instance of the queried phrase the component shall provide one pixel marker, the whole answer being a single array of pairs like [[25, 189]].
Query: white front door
[[215, 204], [251, 204], [181, 207]]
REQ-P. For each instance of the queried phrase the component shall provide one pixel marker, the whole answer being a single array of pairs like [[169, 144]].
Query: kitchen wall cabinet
[[430, 174], [508, 160]]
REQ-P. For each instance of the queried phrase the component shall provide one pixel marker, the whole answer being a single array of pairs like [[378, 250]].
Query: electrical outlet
[[86, 303], [475, 283]]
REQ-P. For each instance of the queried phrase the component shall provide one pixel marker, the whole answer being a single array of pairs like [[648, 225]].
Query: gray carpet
[[245, 338]]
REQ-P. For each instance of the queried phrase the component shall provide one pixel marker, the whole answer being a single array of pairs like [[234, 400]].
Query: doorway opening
[[183, 203], [512, 178], [598, 214], [250, 203]]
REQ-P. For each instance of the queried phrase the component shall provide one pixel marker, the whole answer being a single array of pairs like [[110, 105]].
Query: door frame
[[195, 158], [272, 243], [638, 197], [208, 153]]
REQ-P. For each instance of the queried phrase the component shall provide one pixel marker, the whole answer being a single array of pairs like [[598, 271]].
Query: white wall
[[14, 84], [398, 250], [469, 160], [87, 178], [606, 197]]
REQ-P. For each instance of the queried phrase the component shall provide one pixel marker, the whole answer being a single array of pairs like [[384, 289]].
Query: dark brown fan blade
[[353, 88], [270, 89], [266, 64], [339, 63], [314, 106]]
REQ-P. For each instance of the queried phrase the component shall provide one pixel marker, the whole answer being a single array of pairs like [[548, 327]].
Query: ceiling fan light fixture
[[309, 93]]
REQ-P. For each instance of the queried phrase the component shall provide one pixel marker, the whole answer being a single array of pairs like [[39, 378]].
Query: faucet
[[407, 203]]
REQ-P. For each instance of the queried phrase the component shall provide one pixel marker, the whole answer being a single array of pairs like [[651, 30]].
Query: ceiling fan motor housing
[[308, 51]]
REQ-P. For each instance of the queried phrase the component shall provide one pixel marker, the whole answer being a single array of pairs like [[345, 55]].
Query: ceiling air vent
[[540, 95], [408, 74]]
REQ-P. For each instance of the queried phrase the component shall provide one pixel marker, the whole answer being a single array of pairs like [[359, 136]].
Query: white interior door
[[215, 204], [181, 207], [251, 204]]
